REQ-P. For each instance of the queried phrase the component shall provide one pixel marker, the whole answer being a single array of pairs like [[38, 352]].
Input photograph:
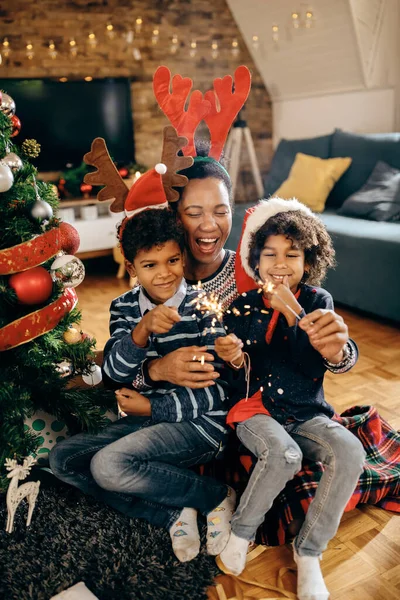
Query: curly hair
[[310, 235], [149, 228], [202, 170]]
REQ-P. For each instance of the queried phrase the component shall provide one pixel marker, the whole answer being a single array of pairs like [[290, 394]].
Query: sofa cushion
[[378, 199], [285, 154], [311, 179], [365, 150]]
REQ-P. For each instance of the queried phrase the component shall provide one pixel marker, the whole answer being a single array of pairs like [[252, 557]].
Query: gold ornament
[[31, 148], [72, 335]]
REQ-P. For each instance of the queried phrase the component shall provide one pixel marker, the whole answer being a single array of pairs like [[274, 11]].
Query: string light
[[63, 79], [92, 40], [174, 44], [214, 49], [29, 51], [110, 31], [275, 33], [6, 48], [52, 50], [295, 20], [73, 48], [235, 50], [137, 55], [193, 49], [155, 37], [88, 78], [255, 42], [309, 19], [138, 24]]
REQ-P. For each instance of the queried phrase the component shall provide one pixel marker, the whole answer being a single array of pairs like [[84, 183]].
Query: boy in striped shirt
[[170, 428]]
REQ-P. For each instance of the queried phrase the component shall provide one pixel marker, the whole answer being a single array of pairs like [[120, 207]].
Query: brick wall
[[202, 20]]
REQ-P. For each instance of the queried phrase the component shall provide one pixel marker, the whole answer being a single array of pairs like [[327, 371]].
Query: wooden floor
[[363, 560]]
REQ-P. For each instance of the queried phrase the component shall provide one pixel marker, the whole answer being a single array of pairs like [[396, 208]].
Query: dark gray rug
[[73, 538]]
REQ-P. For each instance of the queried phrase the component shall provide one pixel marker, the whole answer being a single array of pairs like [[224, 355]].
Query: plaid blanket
[[379, 483]]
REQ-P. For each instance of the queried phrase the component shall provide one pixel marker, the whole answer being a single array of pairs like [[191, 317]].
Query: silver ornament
[[13, 161], [6, 177], [65, 368], [7, 105], [41, 210], [95, 375], [69, 270]]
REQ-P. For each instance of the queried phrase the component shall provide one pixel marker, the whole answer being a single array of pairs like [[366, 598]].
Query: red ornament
[[33, 286], [69, 238], [123, 171], [86, 188], [16, 123]]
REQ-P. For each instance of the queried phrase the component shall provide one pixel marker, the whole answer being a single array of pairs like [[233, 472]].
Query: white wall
[[369, 111]]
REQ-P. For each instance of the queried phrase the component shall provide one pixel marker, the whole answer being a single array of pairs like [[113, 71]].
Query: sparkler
[[269, 288]]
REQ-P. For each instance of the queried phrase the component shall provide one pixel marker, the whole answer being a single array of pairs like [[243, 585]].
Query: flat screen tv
[[65, 117]]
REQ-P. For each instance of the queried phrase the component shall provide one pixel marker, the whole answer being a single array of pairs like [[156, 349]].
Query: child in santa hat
[[286, 250]]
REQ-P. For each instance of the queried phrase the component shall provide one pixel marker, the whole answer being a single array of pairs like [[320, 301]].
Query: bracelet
[[348, 355], [237, 367]]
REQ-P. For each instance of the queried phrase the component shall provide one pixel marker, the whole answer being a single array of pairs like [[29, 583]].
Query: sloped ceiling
[[350, 47]]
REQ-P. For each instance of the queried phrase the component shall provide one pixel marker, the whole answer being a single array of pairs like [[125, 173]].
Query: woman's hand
[[183, 367], [131, 402], [328, 333], [229, 349]]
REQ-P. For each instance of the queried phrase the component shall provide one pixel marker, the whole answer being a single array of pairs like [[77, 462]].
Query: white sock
[[310, 583], [185, 535], [219, 523], [234, 554]]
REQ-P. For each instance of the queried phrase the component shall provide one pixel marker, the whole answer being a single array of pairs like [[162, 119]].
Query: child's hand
[[158, 320], [161, 319], [131, 402], [229, 348], [279, 296]]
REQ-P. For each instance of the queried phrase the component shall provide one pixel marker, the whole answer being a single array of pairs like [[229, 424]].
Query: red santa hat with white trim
[[256, 217]]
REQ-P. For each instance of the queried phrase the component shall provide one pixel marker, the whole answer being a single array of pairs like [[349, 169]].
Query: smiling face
[[281, 256], [206, 216], [159, 270]]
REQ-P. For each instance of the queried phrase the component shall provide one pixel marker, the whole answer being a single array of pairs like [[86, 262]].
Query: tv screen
[[65, 117]]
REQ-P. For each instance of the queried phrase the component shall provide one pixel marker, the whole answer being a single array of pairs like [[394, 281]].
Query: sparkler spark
[[269, 288]]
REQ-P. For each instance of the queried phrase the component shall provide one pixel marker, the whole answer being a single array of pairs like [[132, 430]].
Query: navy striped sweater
[[123, 362]]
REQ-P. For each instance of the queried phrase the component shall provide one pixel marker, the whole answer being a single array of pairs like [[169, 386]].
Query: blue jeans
[[280, 450], [141, 469]]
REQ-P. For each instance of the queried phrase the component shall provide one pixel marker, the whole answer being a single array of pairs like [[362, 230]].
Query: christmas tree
[[41, 346]]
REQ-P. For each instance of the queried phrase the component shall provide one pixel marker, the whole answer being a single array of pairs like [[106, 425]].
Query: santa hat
[[147, 192], [255, 218]]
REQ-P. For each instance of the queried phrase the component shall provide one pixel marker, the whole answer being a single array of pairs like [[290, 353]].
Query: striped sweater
[[123, 363]]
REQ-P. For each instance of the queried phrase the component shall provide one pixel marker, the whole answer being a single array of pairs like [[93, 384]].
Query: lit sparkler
[[269, 288]]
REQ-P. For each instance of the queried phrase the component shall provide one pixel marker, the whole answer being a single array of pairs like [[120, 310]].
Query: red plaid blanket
[[379, 483]]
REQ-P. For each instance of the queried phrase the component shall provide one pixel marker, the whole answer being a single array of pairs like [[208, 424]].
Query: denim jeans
[[141, 469], [280, 450]]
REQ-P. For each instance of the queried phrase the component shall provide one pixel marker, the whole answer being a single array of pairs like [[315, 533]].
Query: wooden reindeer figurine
[[15, 494]]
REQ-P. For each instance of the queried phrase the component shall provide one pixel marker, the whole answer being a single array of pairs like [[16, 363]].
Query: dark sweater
[[288, 369]]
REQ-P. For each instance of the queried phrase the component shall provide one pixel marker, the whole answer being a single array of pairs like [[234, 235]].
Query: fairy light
[[52, 50], [275, 33], [30, 53], [137, 55], [73, 48], [255, 42], [129, 36], [92, 40], [174, 44], [193, 49], [235, 50], [110, 31], [295, 20], [138, 25], [88, 78], [63, 79], [214, 49], [6, 48], [309, 19], [155, 36]]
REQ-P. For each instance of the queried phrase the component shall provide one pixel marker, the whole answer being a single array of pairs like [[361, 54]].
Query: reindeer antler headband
[[218, 108]]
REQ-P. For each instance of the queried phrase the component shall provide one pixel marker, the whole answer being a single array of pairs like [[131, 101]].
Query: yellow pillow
[[311, 179]]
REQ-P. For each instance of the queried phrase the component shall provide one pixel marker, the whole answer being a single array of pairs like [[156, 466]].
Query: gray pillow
[[379, 197]]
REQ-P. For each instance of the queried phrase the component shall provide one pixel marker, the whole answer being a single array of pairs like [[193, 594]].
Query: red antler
[[220, 119], [173, 105]]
